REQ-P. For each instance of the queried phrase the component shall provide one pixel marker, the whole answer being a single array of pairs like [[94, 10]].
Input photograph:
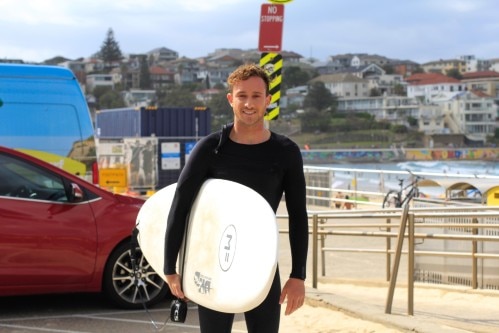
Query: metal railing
[[411, 223], [364, 186]]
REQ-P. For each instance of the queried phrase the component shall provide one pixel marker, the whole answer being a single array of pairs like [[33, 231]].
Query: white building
[[100, 80], [426, 86], [469, 114], [396, 109], [344, 85], [139, 98]]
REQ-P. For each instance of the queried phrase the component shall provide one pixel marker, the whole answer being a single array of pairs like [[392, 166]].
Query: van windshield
[[44, 113]]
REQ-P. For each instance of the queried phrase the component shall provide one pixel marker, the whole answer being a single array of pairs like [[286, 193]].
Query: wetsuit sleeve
[[295, 194], [191, 178]]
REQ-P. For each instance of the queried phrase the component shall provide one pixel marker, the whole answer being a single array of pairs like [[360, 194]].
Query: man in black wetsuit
[[271, 164]]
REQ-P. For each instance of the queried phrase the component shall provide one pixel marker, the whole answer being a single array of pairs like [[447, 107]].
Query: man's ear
[[229, 98]]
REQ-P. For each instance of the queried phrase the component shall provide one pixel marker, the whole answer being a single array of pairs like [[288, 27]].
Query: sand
[[310, 319]]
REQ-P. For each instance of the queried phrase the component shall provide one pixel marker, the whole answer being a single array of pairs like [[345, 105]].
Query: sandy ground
[[310, 319], [321, 319]]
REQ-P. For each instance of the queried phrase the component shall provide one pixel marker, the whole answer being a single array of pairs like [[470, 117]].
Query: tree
[[145, 75], [110, 50], [389, 69], [399, 90], [413, 122], [399, 129], [107, 98], [375, 92], [111, 100], [294, 76], [319, 97], [221, 110], [455, 73], [313, 120], [178, 96]]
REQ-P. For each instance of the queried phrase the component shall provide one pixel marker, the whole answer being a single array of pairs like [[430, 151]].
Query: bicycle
[[397, 199]]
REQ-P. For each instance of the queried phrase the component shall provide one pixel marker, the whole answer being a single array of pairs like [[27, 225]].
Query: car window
[[21, 179]]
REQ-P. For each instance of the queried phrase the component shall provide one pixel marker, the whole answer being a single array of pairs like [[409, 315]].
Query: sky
[[417, 30]]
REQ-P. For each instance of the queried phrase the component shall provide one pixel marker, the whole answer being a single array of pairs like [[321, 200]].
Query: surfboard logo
[[227, 248], [202, 282]]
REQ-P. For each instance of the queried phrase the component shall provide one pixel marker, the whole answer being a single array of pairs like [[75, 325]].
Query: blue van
[[44, 113]]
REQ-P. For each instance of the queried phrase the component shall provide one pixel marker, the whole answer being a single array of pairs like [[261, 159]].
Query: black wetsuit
[[270, 168]]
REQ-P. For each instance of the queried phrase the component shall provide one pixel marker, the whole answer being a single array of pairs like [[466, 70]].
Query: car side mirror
[[76, 193]]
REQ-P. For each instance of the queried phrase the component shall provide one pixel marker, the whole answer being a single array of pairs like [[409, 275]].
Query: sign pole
[[270, 44]]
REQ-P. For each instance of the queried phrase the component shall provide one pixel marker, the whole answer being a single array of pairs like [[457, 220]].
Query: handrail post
[[396, 263], [323, 253], [410, 264], [315, 228], [388, 248], [355, 189], [474, 259]]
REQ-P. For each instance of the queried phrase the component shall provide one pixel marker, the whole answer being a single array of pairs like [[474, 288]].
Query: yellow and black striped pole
[[272, 63]]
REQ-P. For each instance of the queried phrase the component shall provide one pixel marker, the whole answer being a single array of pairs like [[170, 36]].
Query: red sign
[[271, 22]]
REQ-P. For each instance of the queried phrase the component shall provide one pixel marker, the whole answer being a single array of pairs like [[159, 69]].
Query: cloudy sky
[[418, 30]]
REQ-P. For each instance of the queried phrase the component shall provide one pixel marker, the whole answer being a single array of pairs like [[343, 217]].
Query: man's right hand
[[175, 283]]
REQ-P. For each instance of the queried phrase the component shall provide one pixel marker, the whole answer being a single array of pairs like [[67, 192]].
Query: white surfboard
[[231, 245]]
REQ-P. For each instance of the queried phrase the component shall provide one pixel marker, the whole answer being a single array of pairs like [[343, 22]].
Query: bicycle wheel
[[391, 200]]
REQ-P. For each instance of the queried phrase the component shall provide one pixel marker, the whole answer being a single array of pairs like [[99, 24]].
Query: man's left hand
[[294, 292]]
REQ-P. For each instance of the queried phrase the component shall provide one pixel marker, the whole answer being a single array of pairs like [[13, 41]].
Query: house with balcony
[[431, 119], [442, 66], [186, 70], [472, 114], [294, 97], [161, 77], [494, 65], [162, 54], [425, 86], [475, 65], [102, 80], [396, 109], [485, 81], [344, 85]]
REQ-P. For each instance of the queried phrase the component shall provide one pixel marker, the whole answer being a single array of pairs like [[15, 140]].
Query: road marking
[[39, 329]]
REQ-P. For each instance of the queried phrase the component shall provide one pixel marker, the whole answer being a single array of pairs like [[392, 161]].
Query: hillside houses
[[442, 105], [453, 106], [390, 89]]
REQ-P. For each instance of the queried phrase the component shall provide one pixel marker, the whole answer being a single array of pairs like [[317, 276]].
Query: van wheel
[[128, 290]]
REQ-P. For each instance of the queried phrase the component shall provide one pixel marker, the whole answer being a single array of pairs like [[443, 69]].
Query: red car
[[61, 234]]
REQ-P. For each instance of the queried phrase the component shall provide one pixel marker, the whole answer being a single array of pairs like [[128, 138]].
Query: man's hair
[[244, 72]]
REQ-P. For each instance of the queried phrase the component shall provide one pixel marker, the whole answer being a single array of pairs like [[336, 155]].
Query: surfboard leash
[[138, 283], [178, 308]]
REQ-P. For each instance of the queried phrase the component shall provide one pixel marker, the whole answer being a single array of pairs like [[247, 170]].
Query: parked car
[[61, 234]]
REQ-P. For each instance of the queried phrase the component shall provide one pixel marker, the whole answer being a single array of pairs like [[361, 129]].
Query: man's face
[[249, 101]]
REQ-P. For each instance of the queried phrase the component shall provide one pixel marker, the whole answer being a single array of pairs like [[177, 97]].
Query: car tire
[[130, 290]]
